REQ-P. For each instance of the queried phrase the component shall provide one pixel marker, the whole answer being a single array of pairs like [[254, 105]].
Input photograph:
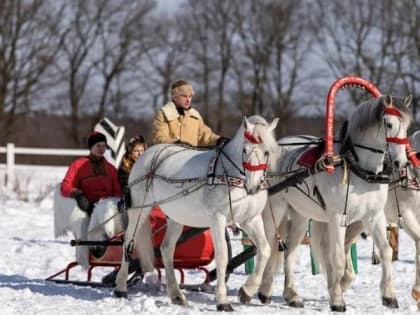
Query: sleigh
[[194, 251]]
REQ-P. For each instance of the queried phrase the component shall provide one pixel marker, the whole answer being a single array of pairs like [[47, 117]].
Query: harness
[[233, 181], [211, 179], [348, 161], [409, 178]]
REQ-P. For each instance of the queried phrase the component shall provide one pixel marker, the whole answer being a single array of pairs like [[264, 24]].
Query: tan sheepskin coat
[[169, 126]]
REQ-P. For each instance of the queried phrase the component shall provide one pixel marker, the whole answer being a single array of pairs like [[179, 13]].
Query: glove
[[182, 143], [222, 141], [82, 202]]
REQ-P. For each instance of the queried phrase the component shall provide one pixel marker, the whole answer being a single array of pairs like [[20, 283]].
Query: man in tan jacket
[[176, 121]]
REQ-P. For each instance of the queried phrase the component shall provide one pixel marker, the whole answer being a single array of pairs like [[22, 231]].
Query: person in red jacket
[[92, 177]]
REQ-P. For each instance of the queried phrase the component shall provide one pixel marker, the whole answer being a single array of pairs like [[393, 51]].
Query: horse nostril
[[397, 164]]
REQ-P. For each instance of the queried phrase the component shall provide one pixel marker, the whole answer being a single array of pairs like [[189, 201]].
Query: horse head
[[377, 127], [397, 118], [258, 145]]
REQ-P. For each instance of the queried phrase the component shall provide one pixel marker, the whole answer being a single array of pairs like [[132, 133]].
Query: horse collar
[[370, 177]]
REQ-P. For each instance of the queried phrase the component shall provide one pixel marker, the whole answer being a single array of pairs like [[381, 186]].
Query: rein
[[211, 178], [248, 166]]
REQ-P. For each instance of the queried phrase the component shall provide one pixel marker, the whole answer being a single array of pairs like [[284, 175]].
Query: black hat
[[94, 138]]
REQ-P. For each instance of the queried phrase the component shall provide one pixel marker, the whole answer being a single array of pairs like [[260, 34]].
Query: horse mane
[[262, 130], [369, 114]]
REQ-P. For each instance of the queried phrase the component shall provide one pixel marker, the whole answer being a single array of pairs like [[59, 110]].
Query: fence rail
[[11, 151]]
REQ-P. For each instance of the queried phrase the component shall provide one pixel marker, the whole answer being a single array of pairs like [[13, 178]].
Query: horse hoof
[[120, 294], [338, 308], [243, 297], [390, 302], [295, 304], [179, 300], [224, 308], [264, 299]]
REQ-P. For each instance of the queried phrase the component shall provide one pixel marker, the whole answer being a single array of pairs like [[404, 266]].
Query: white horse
[[104, 223], [202, 188], [402, 208], [339, 199]]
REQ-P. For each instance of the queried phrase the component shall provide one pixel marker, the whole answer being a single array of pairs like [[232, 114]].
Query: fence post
[[246, 243], [10, 165], [353, 252]]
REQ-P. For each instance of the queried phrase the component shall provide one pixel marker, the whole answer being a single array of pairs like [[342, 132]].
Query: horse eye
[[244, 151], [266, 153], [389, 125]]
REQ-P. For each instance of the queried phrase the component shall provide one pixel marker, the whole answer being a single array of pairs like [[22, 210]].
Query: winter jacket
[[169, 126], [95, 178], [123, 175]]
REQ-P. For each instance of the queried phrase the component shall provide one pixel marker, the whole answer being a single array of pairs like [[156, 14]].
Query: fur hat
[[94, 138], [181, 87]]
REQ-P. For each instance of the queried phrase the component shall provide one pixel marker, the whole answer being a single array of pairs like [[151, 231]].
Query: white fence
[[10, 150]]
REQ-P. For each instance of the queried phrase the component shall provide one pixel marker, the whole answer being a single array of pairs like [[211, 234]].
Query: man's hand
[[182, 143], [82, 202], [222, 141]]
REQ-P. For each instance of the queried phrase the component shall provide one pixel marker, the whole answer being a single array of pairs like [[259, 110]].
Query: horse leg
[[276, 256], [320, 241], [337, 261], [352, 231], [221, 259], [412, 228], [255, 231], [378, 233], [167, 248], [96, 232], [136, 220], [80, 231], [145, 249], [296, 231]]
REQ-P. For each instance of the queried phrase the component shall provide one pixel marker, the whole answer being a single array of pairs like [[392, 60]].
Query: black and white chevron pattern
[[114, 137]]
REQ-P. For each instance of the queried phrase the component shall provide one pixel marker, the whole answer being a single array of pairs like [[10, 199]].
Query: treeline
[[117, 58]]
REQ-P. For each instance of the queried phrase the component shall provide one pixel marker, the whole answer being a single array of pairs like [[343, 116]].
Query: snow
[[30, 254]]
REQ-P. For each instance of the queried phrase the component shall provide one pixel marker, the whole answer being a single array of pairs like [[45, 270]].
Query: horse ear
[[388, 100], [408, 100], [246, 123], [274, 123]]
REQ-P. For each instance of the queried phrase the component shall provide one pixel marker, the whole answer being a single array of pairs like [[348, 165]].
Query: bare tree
[[358, 38], [122, 24], [165, 59], [215, 29], [97, 51], [27, 50], [81, 28], [406, 48], [274, 43]]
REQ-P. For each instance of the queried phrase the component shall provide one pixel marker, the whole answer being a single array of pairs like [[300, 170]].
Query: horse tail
[[69, 218], [62, 209], [319, 243], [145, 246]]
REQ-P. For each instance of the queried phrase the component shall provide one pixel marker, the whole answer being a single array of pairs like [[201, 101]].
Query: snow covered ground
[[30, 254]]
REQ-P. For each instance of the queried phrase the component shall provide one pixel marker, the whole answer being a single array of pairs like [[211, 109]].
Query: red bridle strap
[[253, 168], [397, 140], [412, 155], [392, 111], [251, 138], [395, 112]]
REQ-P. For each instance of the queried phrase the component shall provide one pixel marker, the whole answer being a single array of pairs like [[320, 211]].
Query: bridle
[[248, 166], [397, 140], [392, 111]]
